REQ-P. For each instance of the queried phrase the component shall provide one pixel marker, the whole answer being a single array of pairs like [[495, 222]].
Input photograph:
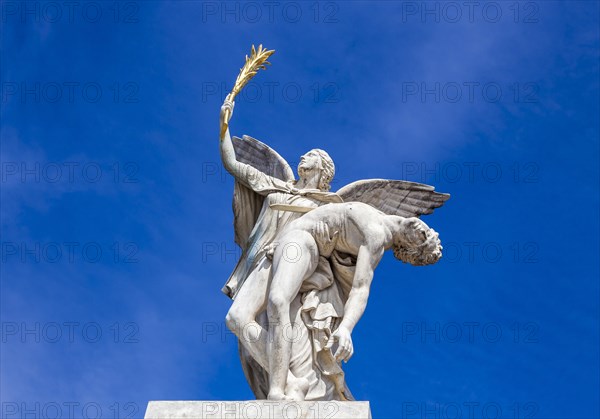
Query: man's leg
[[241, 318], [295, 258], [249, 302]]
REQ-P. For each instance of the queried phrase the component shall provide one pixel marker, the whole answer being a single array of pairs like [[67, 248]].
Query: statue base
[[257, 409]]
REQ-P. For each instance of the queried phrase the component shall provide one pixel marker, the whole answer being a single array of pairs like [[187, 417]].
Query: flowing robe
[[319, 306]]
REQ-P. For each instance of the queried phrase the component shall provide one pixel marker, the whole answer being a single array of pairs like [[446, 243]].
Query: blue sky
[[116, 221]]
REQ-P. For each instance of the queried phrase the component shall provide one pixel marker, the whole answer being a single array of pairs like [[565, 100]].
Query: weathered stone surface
[[257, 409], [308, 258]]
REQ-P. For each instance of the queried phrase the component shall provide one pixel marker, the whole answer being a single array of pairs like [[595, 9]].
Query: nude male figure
[[353, 228]]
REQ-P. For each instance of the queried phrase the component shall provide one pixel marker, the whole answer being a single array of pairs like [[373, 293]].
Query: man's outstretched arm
[[355, 306]]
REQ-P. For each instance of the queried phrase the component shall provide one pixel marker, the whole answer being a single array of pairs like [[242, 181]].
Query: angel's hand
[[325, 241], [270, 250], [226, 111]]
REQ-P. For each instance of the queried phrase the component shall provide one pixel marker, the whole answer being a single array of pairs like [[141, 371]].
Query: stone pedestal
[[257, 409]]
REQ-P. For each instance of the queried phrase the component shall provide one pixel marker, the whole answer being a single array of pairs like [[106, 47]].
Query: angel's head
[[417, 243], [317, 161]]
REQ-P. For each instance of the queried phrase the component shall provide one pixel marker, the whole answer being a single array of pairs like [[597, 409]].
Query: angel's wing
[[395, 197], [259, 155], [247, 203]]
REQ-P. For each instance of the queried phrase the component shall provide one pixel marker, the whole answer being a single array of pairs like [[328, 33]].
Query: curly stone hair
[[327, 169], [420, 245]]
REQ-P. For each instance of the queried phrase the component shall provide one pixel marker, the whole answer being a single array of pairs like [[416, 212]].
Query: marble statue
[[308, 257]]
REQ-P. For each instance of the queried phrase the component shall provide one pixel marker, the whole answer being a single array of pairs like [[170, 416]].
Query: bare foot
[[296, 388], [276, 395]]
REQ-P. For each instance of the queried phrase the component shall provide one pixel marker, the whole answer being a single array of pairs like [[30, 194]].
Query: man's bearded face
[[420, 244]]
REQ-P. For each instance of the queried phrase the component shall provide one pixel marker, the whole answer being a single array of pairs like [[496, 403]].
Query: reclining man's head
[[416, 243]]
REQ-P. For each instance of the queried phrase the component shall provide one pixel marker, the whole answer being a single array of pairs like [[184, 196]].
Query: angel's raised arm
[[253, 163], [227, 150]]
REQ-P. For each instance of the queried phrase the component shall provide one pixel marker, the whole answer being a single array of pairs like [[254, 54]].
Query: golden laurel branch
[[256, 61]]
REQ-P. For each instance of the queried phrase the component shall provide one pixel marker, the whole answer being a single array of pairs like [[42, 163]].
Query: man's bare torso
[[356, 224]]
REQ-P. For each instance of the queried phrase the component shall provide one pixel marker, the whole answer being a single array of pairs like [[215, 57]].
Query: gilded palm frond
[[256, 61]]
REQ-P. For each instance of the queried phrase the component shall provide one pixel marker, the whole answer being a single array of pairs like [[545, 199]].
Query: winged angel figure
[[267, 198]]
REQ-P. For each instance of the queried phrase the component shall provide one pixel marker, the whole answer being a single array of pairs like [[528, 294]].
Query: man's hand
[[227, 106], [325, 242], [345, 347]]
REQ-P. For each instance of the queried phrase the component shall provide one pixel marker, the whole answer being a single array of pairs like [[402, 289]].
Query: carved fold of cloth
[[266, 179], [317, 312]]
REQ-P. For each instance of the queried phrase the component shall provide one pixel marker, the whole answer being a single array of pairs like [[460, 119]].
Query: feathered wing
[[247, 203], [395, 197], [259, 155]]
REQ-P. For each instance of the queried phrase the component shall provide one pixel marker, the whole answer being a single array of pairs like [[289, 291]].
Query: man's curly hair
[[420, 244]]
